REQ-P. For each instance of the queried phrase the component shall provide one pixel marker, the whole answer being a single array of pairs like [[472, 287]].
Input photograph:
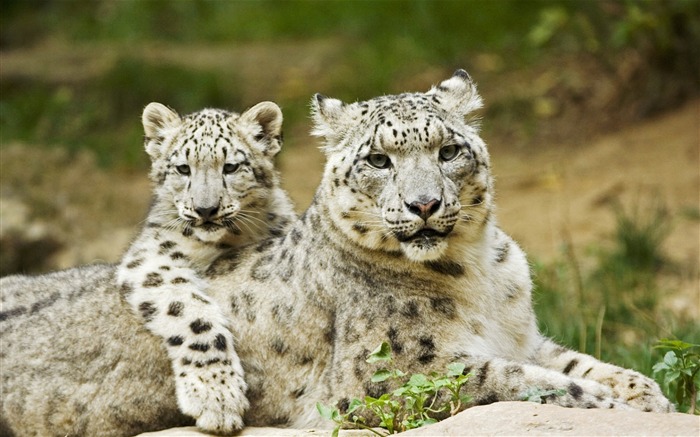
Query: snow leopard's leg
[[627, 385], [496, 379], [171, 299]]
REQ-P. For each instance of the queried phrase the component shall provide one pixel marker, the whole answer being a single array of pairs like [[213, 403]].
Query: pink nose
[[424, 210]]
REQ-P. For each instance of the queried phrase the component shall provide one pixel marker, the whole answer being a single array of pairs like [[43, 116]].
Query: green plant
[[539, 395], [605, 300], [680, 368], [414, 404]]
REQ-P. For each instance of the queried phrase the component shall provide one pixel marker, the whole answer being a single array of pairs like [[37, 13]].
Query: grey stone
[[513, 419]]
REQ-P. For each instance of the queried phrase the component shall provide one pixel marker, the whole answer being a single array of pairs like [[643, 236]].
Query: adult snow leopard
[[399, 244], [215, 190]]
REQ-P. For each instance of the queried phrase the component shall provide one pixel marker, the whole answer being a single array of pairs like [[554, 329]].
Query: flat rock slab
[[529, 418], [513, 419], [254, 431]]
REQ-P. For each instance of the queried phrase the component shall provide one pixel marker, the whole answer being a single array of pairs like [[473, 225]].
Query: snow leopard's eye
[[378, 160], [449, 152], [183, 169], [230, 168]]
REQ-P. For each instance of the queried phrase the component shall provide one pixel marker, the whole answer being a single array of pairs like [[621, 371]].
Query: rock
[[26, 245], [529, 418], [254, 431], [513, 418]]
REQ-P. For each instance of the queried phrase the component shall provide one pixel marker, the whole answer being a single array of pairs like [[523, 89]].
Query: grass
[[612, 309], [380, 47], [101, 115]]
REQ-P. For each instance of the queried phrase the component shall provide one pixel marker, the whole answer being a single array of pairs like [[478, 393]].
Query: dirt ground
[[546, 197]]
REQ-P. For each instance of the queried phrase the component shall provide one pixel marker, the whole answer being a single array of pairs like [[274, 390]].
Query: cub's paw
[[212, 390], [637, 391]]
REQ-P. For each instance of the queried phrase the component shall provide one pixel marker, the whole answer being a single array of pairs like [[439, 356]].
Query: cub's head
[[406, 174], [213, 170]]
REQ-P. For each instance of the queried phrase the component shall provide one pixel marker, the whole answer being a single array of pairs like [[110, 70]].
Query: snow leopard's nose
[[207, 213], [424, 209]]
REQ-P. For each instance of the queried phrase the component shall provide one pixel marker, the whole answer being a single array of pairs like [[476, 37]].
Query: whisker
[[466, 203], [368, 213], [251, 215], [241, 224], [249, 221]]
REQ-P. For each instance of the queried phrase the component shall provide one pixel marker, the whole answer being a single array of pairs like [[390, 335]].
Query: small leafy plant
[[680, 368], [410, 406], [539, 395]]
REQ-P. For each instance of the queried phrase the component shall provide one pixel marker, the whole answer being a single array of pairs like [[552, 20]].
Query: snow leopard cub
[[216, 189]]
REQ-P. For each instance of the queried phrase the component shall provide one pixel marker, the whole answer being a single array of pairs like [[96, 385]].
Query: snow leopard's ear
[[157, 120], [457, 95], [332, 119], [265, 119]]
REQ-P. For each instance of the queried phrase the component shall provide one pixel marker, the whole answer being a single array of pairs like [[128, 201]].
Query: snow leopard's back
[[71, 349]]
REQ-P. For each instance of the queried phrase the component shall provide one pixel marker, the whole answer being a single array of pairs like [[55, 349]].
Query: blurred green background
[[97, 63], [75, 76]]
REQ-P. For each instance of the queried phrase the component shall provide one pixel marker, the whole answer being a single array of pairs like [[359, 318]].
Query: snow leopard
[[215, 190], [400, 244]]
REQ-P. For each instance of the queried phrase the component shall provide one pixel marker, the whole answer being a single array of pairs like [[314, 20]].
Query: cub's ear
[[332, 118], [457, 95], [266, 117], [157, 119]]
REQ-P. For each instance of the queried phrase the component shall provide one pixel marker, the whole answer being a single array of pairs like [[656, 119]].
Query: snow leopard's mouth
[[423, 236], [209, 226]]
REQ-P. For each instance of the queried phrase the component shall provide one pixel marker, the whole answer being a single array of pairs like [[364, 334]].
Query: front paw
[[212, 390], [638, 391], [581, 393]]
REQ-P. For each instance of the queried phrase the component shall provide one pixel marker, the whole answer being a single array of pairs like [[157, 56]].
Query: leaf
[[462, 379], [536, 394], [666, 343], [418, 380], [400, 391], [381, 353], [381, 375], [325, 411], [354, 405], [441, 382], [385, 397], [670, 359], [671, 376], [660, 367], [455, 369]]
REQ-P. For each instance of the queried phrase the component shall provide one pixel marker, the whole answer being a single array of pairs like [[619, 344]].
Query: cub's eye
[[230, 168], [449, 152], [183, 169], [259, 137], [378, 160]]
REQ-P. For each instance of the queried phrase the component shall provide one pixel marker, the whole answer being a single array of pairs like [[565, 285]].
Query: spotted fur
[[400, 245], [215, 190]]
